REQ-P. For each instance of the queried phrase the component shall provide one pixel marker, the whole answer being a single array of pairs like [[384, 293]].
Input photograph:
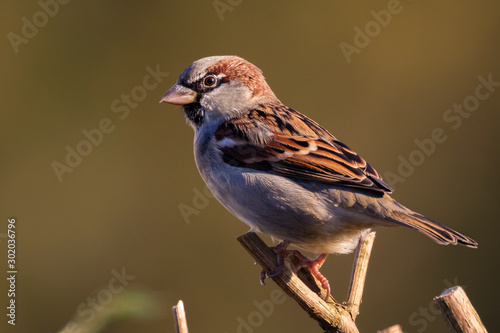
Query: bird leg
[[313, 265]]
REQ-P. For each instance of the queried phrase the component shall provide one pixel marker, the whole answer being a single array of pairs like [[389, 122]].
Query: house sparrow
[[282, 173]]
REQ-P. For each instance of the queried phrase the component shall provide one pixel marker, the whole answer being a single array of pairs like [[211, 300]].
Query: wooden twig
[[392, 329], [331, 316], [459, 312], [358, 276], [180, 318]]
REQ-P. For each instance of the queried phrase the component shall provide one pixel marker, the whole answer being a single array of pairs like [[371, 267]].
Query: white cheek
[[226, 101]]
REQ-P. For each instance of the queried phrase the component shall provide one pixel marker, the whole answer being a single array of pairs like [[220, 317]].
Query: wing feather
[[282, 141]]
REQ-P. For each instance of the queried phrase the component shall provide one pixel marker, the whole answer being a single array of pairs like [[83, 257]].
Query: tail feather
[[440, 233]]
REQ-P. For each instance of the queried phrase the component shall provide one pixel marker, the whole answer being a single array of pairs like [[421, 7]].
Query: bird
[[282, 173]]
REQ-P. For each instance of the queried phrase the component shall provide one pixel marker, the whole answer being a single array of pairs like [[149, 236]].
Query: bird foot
[[281, 253], [312, 264]]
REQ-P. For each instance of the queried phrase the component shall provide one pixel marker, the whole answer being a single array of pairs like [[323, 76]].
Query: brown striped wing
[[303, 158]]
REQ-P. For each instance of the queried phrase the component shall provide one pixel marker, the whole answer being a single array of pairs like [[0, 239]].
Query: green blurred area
[[119, 207]]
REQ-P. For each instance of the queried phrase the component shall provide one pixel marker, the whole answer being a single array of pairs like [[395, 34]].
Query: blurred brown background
[[118, 211]]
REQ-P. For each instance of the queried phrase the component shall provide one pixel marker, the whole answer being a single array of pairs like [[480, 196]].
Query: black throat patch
[[195, 113]]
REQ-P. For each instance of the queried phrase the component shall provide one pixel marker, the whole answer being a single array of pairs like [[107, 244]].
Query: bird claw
[[263, 276], [281, 253], [313, 265]]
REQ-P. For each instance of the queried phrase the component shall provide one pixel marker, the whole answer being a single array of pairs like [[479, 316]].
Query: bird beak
[[179, 95]]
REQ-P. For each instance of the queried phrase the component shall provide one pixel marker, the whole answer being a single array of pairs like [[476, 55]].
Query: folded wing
[[299, 149]]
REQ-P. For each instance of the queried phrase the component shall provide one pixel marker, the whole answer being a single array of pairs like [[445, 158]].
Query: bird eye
[[210, 81]]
